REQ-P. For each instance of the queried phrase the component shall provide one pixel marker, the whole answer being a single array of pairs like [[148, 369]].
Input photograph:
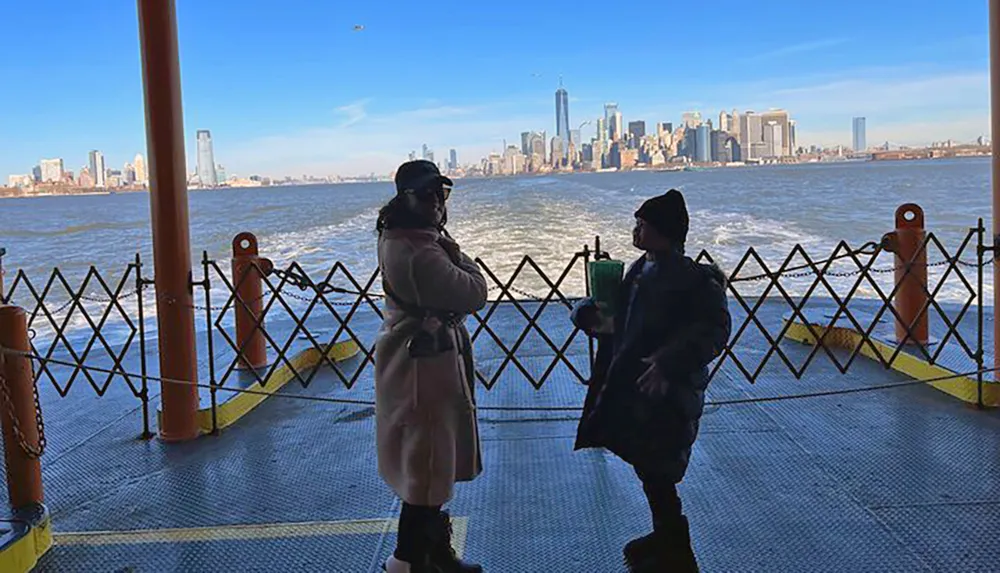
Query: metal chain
[[854, 273], [33, 452]]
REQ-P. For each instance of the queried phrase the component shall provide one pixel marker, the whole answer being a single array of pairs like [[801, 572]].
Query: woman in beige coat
[[424, 375]]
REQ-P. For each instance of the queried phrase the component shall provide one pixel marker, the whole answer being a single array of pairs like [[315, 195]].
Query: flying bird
[[358, 27]]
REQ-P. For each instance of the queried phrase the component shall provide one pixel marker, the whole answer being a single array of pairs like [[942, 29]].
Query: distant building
[[20, 181], [557, 155], [636, 131], [860, 137], [52, 170], [774, 141], [537, 149], [602, 129], [220, 174], [97, 169], [724, 121], [513, 161], [86, 179], [426, 153], [141, 177], [453, 159], [562, 116], [616, 127], [691, 119], [703, 143], [751, 136], [610, 110], [36, 174], [412, 156], [574, 137], [526, 142], [792, 143], [128, 174], [781, 118], [206, 159]]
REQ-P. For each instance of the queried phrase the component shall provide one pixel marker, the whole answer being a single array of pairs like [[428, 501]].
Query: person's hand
[[652, 382], [451, 247]]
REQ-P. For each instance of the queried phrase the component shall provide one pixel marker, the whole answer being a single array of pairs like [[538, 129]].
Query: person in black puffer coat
[[647, 389]]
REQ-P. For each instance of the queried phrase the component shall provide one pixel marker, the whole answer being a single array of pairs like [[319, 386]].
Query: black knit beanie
[[667, 214]]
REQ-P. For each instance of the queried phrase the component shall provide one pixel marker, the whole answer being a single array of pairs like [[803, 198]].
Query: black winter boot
[[670, 552], [442, 554], [640, 550]]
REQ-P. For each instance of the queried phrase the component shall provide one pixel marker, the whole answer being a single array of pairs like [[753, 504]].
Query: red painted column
[[169, 212]]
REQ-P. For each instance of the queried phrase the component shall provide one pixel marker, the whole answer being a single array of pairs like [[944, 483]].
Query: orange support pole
[[169, 212], [907, 242], [248, 273], [22, 441], [995, 120]]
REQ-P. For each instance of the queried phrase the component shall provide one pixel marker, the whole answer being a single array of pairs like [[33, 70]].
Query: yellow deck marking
[[247, 532]]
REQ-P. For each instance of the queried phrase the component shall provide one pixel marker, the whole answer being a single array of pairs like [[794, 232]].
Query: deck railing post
[[169, 214]]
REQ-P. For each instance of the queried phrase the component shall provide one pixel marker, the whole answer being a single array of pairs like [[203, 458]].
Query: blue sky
[[289, 88]]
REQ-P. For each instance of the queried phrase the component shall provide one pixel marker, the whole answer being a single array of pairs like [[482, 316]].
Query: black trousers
[[664, 502], [416, 532]]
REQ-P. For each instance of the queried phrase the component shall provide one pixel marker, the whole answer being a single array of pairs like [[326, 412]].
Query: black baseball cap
[[419, 175]]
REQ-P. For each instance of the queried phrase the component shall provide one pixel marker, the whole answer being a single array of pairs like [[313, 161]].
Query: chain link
[[32, 452], [854, 273]]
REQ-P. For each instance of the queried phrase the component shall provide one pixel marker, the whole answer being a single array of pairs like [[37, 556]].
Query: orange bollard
[[907, 242], [248, 272], [22, 441]]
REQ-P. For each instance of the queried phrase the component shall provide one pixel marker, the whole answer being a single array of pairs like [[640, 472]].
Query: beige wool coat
[[425, 411]]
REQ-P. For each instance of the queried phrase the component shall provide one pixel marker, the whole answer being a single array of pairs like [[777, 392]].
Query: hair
[[396, 214]]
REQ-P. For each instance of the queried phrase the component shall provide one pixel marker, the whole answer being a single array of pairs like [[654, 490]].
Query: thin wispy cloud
[[353, 112], [794, 49]]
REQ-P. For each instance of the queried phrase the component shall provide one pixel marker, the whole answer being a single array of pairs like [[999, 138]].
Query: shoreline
[[689, 168]]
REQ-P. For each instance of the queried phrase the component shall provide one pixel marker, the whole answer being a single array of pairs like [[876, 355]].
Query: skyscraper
[[97, 170], [526, 142], [780, 117], [453, 160], [562, 115], [860, 137], [52, 170], [637, 129], [724, 121], [141, 177], [792, 144], [206, 159], [703, 143], [751, 135], [774, 142], [412, 156], [610, 111], [602, 129]]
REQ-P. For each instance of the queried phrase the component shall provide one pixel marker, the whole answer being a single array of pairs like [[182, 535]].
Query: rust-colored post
[[907, 242], [995, 120], [169, 212], [17, 411], [248, 284]]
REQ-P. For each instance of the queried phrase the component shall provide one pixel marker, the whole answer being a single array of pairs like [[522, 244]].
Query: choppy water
[[549, 218]]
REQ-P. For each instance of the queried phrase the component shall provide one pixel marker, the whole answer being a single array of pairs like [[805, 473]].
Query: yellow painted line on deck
[[248, 532], [231, 410], [916, 367], [23, 554]]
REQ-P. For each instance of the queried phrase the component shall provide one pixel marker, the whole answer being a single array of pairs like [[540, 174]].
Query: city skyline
[[922, 80]]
